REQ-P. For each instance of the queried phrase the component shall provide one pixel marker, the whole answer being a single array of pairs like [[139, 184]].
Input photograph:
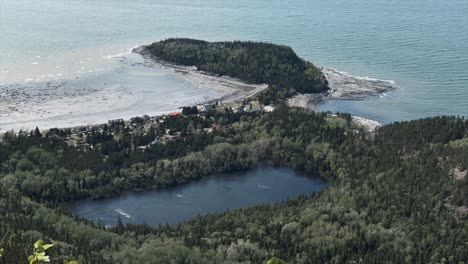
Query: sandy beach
[[144, 85], [232, 89], [139, 86]]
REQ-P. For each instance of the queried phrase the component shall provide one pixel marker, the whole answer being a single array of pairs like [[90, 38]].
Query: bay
[[421, 45]]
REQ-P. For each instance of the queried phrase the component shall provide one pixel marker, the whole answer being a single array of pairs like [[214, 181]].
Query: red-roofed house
[[216, 127], [174, 113]]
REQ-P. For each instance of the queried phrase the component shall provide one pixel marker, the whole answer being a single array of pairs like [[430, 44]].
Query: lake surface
[[422, 45], [212, 194]]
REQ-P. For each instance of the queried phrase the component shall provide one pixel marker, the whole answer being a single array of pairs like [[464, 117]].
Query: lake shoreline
[[201, 196]]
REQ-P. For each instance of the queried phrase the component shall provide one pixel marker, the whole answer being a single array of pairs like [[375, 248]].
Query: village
[[146, 131], [152, 130]]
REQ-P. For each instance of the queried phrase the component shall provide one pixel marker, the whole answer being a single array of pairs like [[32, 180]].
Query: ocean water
[[421, 45]]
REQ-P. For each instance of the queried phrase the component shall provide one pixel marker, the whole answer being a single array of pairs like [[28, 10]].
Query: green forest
[[253, 62], [397, 195]]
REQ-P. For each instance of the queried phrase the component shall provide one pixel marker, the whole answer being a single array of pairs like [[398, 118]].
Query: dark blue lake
[[216, 193]]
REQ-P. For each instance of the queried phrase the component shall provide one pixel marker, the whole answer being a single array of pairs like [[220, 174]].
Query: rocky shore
[[344, 86]]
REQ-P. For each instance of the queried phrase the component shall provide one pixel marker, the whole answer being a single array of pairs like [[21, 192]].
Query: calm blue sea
[[422, 45]]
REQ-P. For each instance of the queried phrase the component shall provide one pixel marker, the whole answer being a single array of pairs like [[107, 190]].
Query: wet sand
[[143, 85], [232, 89], [138, 87]]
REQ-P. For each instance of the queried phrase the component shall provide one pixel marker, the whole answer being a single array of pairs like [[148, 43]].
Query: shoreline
[[86, 101], [344, 86], [72, 103], [236, 88], [312, 101]]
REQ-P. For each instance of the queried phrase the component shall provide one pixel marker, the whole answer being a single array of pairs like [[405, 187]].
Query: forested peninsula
[[253, 62]]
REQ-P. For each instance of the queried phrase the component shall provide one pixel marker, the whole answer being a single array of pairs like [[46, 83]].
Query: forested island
[[253, 62]]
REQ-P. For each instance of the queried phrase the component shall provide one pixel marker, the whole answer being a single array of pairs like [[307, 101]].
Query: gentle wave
[[364, 78], [121, 54]]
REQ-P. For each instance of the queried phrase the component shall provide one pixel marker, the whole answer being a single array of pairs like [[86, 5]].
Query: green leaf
[[276, 261], [31, 259], [71, 262], [42, 257], [2, 251], [38, 244], [47, 246]]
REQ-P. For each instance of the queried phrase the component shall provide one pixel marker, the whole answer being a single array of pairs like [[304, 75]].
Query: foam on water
[[364, 78], [122, 213], [121, 54]]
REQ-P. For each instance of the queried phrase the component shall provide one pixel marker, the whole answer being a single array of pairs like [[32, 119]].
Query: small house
[[174, 114], [208, 107]]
